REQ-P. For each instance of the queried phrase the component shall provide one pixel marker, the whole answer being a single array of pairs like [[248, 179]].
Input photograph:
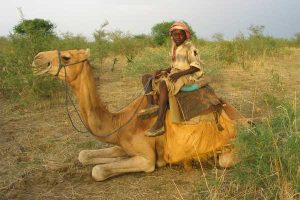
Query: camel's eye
[[66, 58]]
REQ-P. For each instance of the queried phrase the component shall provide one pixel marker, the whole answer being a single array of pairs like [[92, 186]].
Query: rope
[[132, 116], [67, 96]]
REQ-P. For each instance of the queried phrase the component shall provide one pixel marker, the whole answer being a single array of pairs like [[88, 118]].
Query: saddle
[[198, 102]]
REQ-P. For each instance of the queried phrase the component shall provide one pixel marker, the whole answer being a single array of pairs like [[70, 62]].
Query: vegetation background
[[270, 156]]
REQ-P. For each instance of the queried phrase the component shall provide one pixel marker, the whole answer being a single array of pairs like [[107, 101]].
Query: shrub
[[69, 41], [17, 80], [270, 154], [33, 26], [101, 47], [128, 45], [148, 61], [296, 39]]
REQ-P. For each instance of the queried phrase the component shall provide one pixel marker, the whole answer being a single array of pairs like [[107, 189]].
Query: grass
[[270, 152]]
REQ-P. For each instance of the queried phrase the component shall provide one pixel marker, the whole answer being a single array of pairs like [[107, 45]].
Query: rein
[[67, 96]]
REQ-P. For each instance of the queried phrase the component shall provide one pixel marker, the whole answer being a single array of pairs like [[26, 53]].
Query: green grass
[[148, 61], [269, 153]]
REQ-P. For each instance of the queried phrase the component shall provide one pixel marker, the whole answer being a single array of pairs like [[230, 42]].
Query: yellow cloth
[[186, 55], [187, 142]]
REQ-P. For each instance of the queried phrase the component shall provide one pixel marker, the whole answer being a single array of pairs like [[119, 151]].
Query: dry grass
[[39, 148]]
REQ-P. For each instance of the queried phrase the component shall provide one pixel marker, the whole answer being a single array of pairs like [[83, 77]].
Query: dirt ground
[[39, 147]]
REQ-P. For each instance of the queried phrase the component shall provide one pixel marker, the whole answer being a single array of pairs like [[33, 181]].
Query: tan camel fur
[[133, 152]]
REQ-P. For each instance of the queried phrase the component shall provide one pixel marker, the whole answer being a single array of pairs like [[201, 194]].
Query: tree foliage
[[33, 26], [257, 30], [296, 39], [101, 45]]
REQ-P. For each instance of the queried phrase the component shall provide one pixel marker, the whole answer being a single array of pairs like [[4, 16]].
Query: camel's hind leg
[[228, 158], [101, 156], [159, 147], [133, 164]]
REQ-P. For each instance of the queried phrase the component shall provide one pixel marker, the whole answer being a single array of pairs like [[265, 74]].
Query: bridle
[[61, 65]]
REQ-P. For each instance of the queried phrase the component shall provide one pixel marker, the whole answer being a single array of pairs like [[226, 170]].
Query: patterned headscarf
[[180, 26]]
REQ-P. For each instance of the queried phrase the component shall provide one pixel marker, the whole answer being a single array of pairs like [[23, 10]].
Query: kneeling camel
[[133, 151]]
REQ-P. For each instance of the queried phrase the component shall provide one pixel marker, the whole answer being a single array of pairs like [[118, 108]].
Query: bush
[[270, 160], [270, 155], [148, 61], [296, 39], [128, 45], [33, 26], [241, 50], [69, 41], [16, 79]]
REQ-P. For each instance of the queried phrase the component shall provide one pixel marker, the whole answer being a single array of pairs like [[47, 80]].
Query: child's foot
[[149, 111], [157, 130]]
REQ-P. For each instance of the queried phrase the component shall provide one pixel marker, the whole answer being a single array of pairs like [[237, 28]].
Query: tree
[[218, 37], [34, 26], [256, 30], [101, 45], [297, 38], [34, 35], [160, 32]]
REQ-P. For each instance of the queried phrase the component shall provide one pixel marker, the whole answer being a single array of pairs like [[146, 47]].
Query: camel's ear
[[88, 52]]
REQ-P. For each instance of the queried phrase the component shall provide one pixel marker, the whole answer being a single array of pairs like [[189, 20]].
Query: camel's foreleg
[[101, 156], [133, 164]]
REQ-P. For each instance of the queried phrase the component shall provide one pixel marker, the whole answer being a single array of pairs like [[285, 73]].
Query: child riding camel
[[185, 69]]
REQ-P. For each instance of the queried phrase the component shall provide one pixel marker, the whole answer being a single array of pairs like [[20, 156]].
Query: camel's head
[[53, 62]]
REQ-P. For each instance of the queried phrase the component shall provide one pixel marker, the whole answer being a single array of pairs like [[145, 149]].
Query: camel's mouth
[[41, 68]]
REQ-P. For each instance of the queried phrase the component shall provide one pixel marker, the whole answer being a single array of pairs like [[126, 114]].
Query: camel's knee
[[150, 168], [99, 173], [148, 165], [83, 157]]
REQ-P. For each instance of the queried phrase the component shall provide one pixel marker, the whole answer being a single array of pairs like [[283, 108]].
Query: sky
[[281, 18]]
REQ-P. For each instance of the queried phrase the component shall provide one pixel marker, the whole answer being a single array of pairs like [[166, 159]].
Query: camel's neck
[[95, 115]]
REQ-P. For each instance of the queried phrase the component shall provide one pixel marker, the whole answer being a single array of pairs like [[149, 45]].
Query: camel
[[133, 151]]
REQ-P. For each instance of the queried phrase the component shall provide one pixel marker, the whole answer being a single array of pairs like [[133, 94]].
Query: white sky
[[207, 17]]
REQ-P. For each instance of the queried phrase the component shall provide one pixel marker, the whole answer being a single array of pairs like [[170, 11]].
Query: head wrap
[[180, 26]]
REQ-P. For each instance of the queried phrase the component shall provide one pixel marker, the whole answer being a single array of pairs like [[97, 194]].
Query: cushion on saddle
[[198, 102], [189, 88]]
